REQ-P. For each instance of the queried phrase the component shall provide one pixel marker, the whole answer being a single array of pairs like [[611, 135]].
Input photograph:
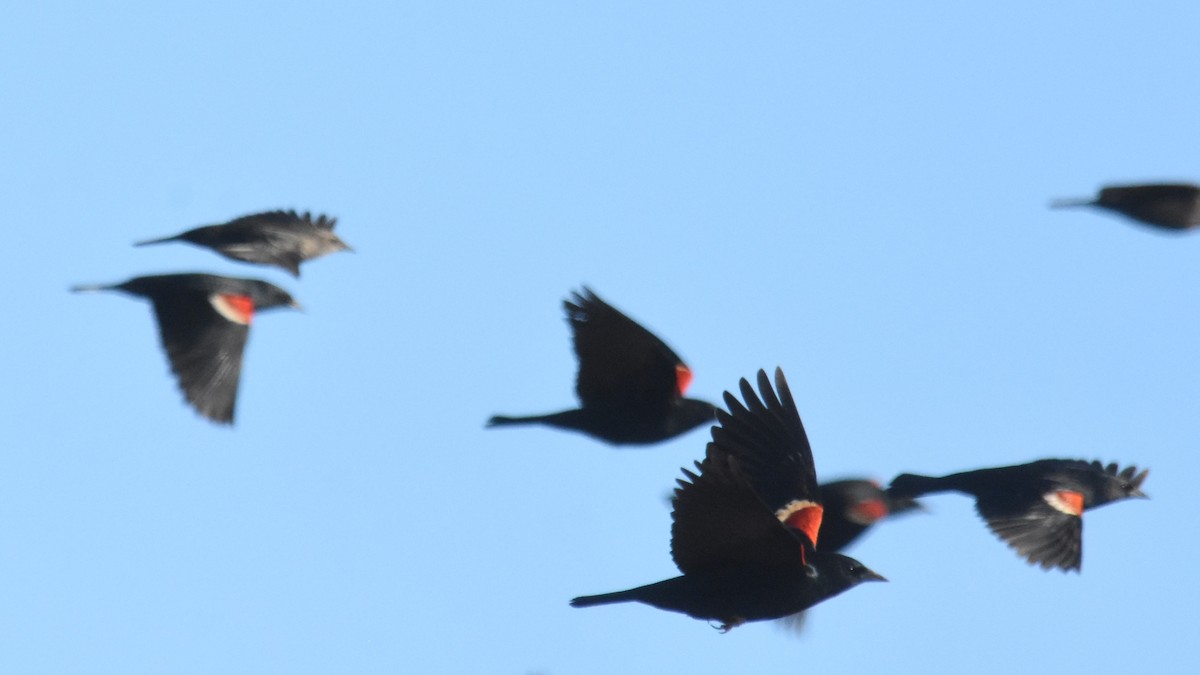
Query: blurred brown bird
[[280, 238]]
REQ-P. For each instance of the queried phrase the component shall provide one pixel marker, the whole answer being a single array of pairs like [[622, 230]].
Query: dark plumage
[[1036, 508], [1168, 206], [847, 508], [630, 384], [741, 558], [852, 506], [280, 238], [204, 321]]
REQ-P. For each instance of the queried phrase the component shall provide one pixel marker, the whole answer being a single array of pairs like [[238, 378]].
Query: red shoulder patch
[[683, 378], [803, 515], [1067, 501], [236, 308], [868, 511]]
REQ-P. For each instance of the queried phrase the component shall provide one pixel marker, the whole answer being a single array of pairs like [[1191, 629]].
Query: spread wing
[[205, 351], [1041, 533], [768, 440], [719, 519], [621, 364]]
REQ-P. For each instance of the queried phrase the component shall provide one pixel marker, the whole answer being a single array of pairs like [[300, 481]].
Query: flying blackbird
[[851, 507], [848, 507], [741, 559], [204, 321], [1167, 206], [1037, 508], [630, 384], [281, 238]]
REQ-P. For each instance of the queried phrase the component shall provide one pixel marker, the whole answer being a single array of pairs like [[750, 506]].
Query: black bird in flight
[[742, 558], [1167, 206], [1037, 508], [630, 384], [852, 506], [204, 321], [280, 238]]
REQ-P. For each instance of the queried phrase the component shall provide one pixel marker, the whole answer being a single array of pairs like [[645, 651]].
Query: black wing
[[621, 364], [1040, 533], [719, 519], [205, 351], [769, 441]]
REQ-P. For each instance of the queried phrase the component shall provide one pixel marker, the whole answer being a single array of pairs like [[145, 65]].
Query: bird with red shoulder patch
[[204, 322], [1036, 508], [853, 506], [743, 559], [630, 384]]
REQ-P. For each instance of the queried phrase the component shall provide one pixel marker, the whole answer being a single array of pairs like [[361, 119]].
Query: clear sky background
[[856, 192]]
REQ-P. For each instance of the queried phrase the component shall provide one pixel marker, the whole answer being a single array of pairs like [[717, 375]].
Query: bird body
[[204, 322], [280, 238], [851, 507], [1167, 206], [621, 426], [736, 594], [742, 558], [630, 384], [1036, 508]]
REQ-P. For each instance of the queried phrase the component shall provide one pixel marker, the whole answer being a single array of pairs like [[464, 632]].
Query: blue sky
[[854, 192]]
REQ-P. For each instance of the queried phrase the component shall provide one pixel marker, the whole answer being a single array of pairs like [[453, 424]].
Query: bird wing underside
[[768, 439], [1040, 533], [205, 352], [719, 520], [621, 364]]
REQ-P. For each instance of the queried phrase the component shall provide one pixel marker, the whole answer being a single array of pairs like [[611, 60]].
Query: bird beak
[[871, 575], [1137, 492], [296, 306]]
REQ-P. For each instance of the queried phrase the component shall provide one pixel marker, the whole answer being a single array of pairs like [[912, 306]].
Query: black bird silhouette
[[204, 321], [630, 384], [1037, 508], [1167, 206], [280, 238], [852, 506], [741, 558]]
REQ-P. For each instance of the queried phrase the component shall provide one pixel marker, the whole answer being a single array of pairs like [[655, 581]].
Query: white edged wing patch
[[1065, 501], [803, 515], [236, 308]]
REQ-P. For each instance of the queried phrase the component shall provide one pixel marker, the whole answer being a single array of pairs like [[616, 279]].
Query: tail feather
[[163, 240], [504, 420], [909, 485], [570, 419], [90, 288], [605, 598], [1071, 203]]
